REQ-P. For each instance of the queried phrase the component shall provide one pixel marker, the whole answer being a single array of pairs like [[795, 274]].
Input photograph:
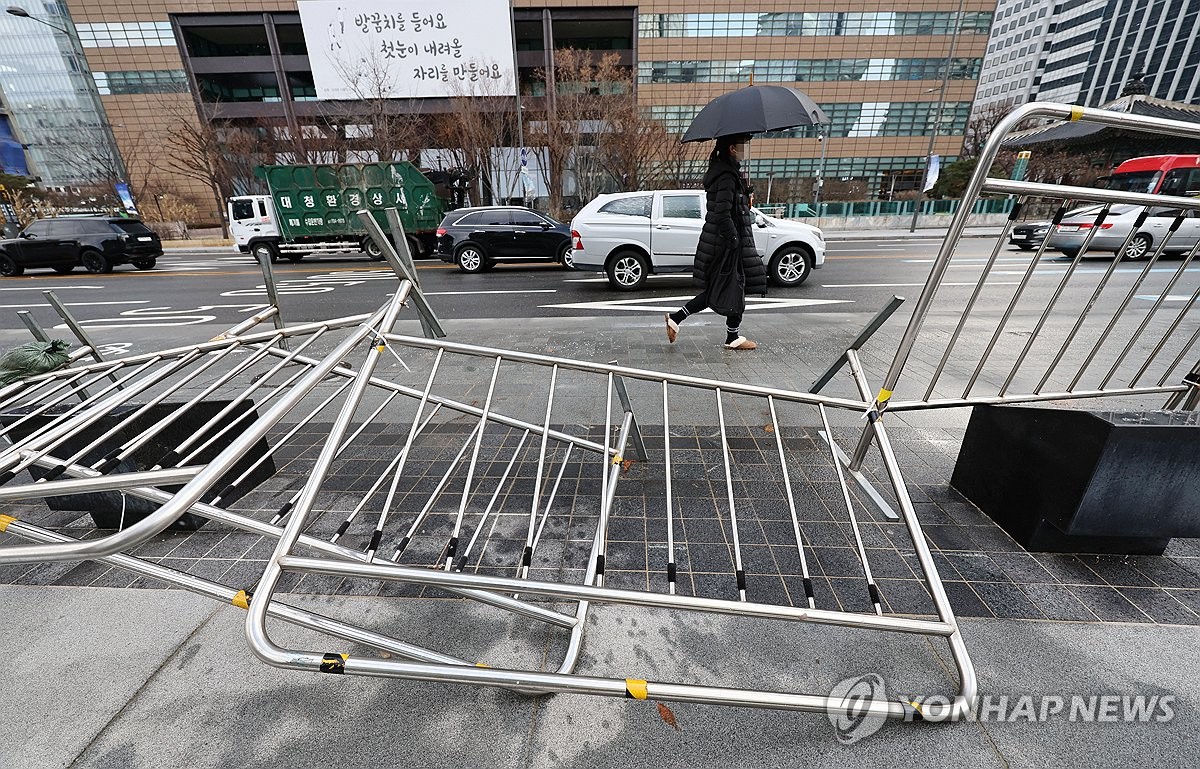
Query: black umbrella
[[754, 109]]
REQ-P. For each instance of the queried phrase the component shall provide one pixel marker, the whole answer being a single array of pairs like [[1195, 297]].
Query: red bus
[[1158, 174]]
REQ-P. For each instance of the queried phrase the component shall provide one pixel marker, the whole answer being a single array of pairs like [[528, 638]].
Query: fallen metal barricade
[[504, 495], [412, 466]]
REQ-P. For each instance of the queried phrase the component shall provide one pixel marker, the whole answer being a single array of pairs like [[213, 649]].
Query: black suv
[[97, 242], [477, 238]]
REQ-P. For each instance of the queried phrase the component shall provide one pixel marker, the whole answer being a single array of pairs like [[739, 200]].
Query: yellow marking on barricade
[[334, 663], [635, 688], [1076, 113], [617, 459], [884, 395], [5, 520], [482, 665], [241, 600]]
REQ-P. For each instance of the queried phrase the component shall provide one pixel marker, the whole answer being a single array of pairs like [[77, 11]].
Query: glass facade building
[[878, 71], [1086, 51], [52, 102]]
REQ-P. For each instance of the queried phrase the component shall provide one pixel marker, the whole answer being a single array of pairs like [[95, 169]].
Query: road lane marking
[[48, 288], [675, 275], [472, 293], [910, 285], [752, 303], [75, 304]]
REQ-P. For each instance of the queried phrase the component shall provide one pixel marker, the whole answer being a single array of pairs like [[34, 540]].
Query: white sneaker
[[672, 329]]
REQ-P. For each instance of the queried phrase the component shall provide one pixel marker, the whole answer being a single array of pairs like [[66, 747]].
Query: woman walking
[[727, 240]]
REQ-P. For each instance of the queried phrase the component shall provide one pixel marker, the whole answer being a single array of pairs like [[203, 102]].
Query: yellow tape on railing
[[635, 688]]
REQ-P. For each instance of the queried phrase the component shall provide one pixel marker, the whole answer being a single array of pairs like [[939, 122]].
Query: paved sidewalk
[[145, 679]]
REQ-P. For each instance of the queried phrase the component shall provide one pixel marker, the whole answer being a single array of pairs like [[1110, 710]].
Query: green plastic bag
[[32, 358]]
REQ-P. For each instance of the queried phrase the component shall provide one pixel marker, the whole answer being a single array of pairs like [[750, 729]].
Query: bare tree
[[482, 118], [580, 89], [393, 129]]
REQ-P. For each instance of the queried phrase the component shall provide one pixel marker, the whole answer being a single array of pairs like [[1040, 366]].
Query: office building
[[52, 104], [883, 75], [1086, 51]]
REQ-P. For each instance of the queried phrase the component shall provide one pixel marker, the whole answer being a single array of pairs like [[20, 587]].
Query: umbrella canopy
[[752, 110]]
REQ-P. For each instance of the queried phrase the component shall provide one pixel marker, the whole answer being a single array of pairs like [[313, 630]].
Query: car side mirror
[[760, 220], [27, 235], [545, 225]]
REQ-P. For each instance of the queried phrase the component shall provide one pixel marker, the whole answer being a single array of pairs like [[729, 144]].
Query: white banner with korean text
[[401, 49]]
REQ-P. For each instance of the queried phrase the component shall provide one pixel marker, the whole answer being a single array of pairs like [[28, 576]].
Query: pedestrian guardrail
[[416, 466]]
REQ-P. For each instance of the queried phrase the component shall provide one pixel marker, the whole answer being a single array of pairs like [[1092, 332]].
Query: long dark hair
[[721, 151]]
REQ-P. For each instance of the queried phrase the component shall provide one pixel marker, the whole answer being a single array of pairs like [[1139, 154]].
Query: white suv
[[629, 235]]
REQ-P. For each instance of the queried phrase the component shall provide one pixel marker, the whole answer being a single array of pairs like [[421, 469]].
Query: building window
[[852, 120], [794, 24], [253, 86], [233, 40], [129, 34], [117, 82], [804, 70]]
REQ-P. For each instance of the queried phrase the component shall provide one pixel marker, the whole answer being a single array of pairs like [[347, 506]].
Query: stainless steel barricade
[[407, 466]]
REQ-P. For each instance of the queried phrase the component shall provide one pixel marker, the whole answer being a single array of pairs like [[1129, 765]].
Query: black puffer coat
[[728, 224]]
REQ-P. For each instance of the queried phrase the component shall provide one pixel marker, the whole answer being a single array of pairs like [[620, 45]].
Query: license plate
[[146, 239], [1067, 228]]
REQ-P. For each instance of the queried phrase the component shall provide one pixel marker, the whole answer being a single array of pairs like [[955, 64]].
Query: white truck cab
[[630, 235], [252, 218]]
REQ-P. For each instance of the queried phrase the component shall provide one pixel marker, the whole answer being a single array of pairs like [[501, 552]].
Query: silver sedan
[[1114, 231]]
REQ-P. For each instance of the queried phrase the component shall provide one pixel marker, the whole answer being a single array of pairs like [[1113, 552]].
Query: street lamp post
[[820, 182], [90, 84], [937, 118]]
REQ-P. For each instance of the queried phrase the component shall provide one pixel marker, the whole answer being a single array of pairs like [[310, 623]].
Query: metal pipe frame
[[980, 183], [254, 526], [1158, 303], [868, 331], [1129, 296], [1058, 292], [264, 263], [1097, 291], [790, 396], [76, 327], [975, 292], [429, 318], [190, 494]]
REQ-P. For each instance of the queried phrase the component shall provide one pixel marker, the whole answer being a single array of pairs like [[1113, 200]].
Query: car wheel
[[96, 262], [295, 258], [627, 271], [64, 269], [566, 256], [471, 259], [1138, 248], [790, 266], [373, 250], [1070, 253], [9, 268], [264, 251], [146, 263], [1024, 247]]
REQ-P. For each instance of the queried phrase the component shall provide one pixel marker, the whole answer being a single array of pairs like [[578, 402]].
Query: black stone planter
[[1063, 480], [105, 507]]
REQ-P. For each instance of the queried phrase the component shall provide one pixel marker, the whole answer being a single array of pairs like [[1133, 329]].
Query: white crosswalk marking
[[672, 303]]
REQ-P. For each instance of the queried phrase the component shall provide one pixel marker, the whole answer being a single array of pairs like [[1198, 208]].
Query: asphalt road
[[207, 287]]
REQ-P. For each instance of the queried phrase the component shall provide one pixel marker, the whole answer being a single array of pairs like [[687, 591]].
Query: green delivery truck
[[313, 209]]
